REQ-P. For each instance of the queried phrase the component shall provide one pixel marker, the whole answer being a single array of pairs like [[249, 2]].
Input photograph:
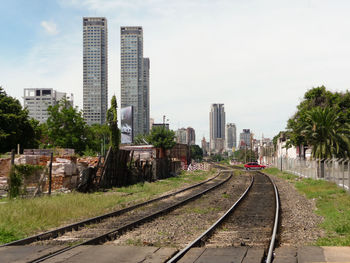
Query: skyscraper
[[135, 77], [230, 136], [245, 138], [190, 136], [95, 70], [146, 101], [217, 127]]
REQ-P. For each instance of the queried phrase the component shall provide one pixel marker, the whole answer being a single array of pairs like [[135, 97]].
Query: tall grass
[[23, 217], [332, 202]]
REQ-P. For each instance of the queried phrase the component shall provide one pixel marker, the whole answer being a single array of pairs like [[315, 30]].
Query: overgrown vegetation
[[15, 125], [333, 204], [22, 217], [17, 175]]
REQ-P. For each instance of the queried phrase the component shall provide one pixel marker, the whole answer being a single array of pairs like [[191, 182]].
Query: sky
[[257, 57]]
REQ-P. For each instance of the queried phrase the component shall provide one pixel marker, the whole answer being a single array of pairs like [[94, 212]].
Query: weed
[[224, 195]]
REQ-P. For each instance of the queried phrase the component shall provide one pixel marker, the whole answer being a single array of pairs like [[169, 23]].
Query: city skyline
[[264, 59]]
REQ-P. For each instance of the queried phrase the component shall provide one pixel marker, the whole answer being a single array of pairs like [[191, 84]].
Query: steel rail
[[111, 234], [275, 226], [197, 241], [75, 226]]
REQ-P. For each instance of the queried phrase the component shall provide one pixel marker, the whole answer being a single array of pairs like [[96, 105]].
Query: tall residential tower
[[135, 77], [95, 68], [217, 128], [146, 100]]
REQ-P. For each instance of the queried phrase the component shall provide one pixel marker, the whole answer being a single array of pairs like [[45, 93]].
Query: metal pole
[[50, 173], [12, 157]]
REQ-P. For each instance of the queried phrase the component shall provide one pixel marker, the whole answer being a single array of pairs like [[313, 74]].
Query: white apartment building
[[95, 69], [38, 100]]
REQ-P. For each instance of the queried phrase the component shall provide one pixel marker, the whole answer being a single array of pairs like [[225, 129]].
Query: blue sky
[[256, 57]]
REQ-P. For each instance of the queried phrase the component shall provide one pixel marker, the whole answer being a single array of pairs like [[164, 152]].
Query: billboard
[[127, 124]]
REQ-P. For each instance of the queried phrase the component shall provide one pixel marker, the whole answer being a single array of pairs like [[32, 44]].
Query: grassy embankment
[[333, 204], [23, 217]]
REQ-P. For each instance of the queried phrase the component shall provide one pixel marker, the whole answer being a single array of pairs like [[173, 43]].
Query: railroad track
[[251, 221], [109, 226]]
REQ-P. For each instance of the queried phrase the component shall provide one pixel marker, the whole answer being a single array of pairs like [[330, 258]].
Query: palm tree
[[326, 134]]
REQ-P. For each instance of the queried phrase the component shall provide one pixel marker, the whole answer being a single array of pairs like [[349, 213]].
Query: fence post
[[343, 170], [281, 162], [50, 173], [349, 175]]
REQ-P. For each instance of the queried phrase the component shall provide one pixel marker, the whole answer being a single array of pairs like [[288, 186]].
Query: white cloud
[[50, 27]]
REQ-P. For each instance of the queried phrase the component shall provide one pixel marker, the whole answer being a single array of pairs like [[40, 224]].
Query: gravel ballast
[[299, 224], [184, 224]]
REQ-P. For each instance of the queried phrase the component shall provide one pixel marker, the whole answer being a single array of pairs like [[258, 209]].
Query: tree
[[66, 127], [245, 155], [326, 133], [161, 137], [316, 97], [112, 119], [15, 125], [196, 152], [98, 137]]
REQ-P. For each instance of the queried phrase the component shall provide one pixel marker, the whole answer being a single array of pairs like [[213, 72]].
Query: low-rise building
[[38, 100]]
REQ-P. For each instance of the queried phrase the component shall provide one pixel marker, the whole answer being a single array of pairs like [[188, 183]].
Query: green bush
[[17, 174]]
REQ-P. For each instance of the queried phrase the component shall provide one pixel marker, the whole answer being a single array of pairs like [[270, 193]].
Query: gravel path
[[184, 224], [299, 223]]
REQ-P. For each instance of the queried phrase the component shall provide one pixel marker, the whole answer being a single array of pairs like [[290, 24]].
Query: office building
[[190, 136], [245, 139], [217, 128], [230, 133], [95, 69], [204, 146], [181, 136], [186, 136], [135, 77], [38, 100]]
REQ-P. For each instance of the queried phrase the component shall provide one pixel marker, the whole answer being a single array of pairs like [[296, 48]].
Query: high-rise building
[[204, 147], [186, 136], [217, 127], [230, 133], [181, 136], [38, 100], [95, 70], [245, 138], [190, 136], [146, 99], [134, 69]]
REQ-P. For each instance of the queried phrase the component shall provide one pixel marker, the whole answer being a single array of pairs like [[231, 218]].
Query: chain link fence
[[333, 170]]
